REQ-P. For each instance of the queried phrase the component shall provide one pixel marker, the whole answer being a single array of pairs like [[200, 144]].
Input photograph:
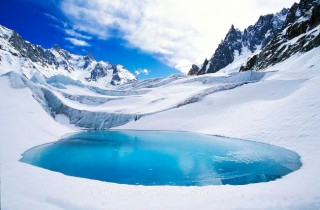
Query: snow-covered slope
[[19, 55], [40, 102], [278, 106], [92, 107], [301, 33], [274, 38], [241, 44]]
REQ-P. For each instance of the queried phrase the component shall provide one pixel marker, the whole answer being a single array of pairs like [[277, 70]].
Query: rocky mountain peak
[[300, 33], [59, 61], [233, 35], [89, 56], [236, 42], [88, 60], [28, 50], [98, 72], [56, 47], [280, 18], [194, 69]]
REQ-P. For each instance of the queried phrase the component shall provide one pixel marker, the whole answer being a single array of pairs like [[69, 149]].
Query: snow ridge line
[[102, 119], [200, 96]]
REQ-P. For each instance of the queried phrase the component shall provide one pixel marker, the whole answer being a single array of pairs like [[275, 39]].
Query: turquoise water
[[163, 158]]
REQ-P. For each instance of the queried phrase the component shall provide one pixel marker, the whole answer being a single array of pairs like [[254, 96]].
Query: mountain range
[[272, 39], [15, 51], [266, 91]]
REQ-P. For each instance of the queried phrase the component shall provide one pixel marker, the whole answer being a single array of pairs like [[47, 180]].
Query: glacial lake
[[163, 158]]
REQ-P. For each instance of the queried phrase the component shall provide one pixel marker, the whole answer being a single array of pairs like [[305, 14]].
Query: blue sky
[[160, 37], [43, 23]]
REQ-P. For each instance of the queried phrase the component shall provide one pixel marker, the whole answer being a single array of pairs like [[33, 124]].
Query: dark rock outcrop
[[60, 59], [252, 38], [98, 72], [279, 36], [194, 69], [300, 34]]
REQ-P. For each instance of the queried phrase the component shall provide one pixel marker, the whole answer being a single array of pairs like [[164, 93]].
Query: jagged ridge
[[272, 39], [301, 34], [236, 42], [56, 60]]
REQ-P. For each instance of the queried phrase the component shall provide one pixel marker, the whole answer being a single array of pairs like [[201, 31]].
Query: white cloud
[[75, 37], [51, 17], [177, 32], [77, 42], [75, 34], [142, 71]]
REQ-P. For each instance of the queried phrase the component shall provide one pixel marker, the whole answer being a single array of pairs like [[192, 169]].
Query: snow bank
[[153, 83], [64, 80], [282, 108], [249, 76], [54, 106]]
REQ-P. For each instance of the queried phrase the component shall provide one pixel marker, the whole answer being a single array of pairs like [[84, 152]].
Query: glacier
[[53, 93], [278, 106]]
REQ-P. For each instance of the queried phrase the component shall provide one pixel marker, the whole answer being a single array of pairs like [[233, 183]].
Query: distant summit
[[56, 61]]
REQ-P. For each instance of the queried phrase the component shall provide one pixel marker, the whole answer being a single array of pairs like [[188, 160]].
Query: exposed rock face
[[88, 60], [300, 34], [260, 34], [272, 39], [224, 53], [194, 69], [252, 38], [59, 60], [98, 72], [34, 52]]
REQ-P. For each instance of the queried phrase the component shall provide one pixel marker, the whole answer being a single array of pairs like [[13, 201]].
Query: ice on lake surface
[[163, 158]]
